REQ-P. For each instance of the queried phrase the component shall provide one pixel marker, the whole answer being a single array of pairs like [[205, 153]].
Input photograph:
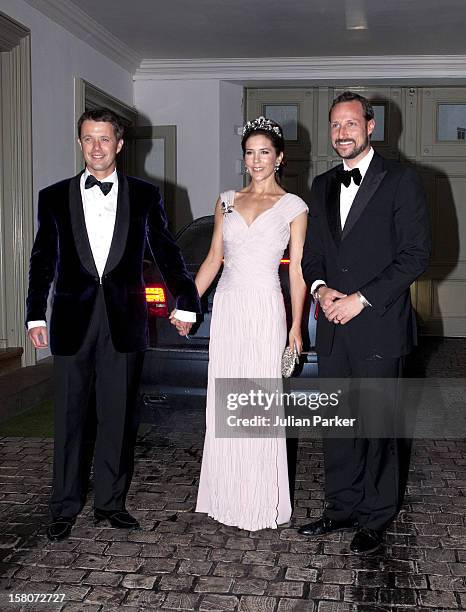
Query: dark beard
[[356, 151]]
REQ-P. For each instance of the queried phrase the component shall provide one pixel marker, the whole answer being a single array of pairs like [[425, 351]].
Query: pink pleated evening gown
[[244, 481]]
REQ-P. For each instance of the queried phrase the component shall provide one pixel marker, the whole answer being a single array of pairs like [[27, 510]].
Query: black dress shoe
[[326, 525], [366, 541], [121, 519], [60, 528]]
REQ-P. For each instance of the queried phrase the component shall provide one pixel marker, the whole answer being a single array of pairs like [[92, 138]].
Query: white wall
[[205, 113], [57, 57]]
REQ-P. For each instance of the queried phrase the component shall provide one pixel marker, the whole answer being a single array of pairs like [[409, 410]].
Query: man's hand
[[343, 310], [327, 296], [39, 337], [182, 327]]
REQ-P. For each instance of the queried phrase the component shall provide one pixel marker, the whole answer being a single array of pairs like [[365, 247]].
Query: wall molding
[[84, 27], [16, 202], [347, 68], [11, 32]]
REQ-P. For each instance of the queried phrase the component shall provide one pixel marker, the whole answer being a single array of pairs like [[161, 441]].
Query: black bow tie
[[345, 176], [104, 187]]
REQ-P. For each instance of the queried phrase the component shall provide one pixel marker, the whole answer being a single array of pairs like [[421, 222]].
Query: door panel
[[293, 109]]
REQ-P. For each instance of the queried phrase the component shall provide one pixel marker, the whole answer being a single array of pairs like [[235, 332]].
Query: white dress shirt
[[347, 195], [99, 216]]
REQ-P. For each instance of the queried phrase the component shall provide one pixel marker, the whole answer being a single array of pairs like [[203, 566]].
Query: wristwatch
[[315, 293], [363, 300]]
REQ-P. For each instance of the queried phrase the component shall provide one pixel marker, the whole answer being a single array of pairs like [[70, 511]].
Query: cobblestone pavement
[[181, 560]]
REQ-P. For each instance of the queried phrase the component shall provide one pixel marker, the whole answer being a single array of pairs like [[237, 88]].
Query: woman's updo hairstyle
[[269, 128]]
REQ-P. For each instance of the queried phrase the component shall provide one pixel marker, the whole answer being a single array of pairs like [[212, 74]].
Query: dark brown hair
[[275, 138], [103, 114], [350, 96]]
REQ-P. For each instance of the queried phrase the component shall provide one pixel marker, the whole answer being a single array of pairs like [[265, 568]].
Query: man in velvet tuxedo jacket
[[93, 230], [368, 239]]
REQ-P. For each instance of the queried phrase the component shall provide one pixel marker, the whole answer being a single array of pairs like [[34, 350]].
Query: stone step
[[25, 388], [10, 359]]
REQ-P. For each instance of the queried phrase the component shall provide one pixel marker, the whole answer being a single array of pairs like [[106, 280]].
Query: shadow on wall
[[155, 160], [298, 165], [441, 204]]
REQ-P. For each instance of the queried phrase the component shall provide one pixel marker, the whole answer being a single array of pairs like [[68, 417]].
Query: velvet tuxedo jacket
[[383, 248], [62, 253]]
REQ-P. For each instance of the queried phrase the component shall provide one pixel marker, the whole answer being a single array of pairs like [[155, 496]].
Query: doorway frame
[[16, 193], [88, 96]]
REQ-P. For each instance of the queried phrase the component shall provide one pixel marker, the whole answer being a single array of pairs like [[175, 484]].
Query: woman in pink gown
[[244, 481]]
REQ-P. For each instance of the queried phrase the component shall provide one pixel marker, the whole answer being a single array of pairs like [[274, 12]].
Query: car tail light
[[157, 300]]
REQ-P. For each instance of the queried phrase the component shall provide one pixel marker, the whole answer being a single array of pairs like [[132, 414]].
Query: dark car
[[175, 368]]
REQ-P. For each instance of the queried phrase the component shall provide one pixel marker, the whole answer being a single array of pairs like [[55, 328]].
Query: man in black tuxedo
[[93, 230], [368, 240]]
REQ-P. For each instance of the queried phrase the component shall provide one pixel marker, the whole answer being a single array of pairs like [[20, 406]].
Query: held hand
[[172, 318], [343, 310], [182, 327], [295, 339], [39, 337]]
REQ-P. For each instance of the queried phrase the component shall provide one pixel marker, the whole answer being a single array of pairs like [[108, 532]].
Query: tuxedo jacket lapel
[[333, 208], [120, 233], [372, 179], [78, 226]]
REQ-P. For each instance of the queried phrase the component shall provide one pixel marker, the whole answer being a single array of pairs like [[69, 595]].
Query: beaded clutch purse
[[290, 359]]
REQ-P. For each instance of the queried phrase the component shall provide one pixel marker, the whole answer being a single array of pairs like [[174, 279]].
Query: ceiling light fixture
[[355, 15]]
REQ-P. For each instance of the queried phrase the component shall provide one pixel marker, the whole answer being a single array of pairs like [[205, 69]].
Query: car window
[[194, 240]]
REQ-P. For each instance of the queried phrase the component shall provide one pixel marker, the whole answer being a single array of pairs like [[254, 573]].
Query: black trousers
[[362, 474], [95, 395]]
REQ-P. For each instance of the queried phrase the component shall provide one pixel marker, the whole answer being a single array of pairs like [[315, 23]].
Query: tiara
[[261, 123]]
